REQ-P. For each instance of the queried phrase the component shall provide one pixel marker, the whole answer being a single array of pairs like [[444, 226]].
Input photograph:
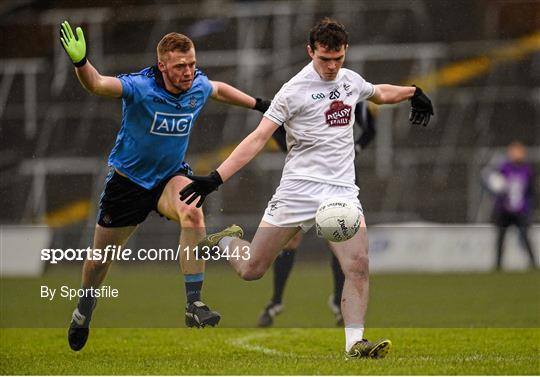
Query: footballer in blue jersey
[[160, 106], [156, 125]]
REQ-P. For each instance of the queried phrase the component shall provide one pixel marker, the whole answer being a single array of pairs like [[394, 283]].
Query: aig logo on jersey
[[171, 124], [339, 114]]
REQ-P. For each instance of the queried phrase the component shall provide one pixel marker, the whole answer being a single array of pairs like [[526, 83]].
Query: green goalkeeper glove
[[75, 47]]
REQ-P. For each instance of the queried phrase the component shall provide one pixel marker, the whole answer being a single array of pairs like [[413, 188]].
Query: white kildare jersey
[[318, 116]]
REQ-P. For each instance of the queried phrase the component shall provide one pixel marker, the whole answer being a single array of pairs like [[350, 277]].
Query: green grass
[[439, 324], [273, 351]]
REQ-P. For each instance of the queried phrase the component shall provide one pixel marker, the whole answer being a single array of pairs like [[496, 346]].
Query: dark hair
[[328, 33], [172, 42]]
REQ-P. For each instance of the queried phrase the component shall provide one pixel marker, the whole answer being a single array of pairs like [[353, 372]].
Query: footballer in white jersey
[[318, 116], [316, 107]]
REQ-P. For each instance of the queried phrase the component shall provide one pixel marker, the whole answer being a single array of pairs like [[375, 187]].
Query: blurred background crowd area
[[478, 60]]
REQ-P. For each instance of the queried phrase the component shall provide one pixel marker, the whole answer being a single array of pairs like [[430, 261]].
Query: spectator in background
[[512, 184]]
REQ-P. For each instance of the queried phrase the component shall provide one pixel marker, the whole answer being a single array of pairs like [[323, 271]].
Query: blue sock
[[193, 284]]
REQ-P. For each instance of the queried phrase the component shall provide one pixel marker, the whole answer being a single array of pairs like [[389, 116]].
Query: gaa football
[[337, 219]]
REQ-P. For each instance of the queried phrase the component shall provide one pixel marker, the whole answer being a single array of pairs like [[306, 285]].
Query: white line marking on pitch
[[244, 343]]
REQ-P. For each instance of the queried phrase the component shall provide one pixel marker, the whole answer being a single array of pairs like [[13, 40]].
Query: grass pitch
[[269, 351], [439, 324]]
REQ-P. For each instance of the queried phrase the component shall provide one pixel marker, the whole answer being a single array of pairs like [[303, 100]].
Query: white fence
[[431, 247]]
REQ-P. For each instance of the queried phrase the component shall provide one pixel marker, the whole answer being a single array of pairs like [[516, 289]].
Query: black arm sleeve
[[366, 122], [280, 137]]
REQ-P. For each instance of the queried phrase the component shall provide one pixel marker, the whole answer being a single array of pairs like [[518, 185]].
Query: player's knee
[[358, 270], [96, 265], [253, 272], [251, 275], [191, 216]]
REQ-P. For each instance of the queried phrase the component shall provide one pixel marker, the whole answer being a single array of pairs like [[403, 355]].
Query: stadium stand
[[484, 78]]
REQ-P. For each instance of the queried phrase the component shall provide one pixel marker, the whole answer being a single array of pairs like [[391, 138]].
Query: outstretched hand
[[200, 187], [75, 47], [421, 108]]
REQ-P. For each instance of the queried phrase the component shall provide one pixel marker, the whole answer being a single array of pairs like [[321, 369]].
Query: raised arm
[[240, 157], [98, 84], [421, 107], [226, 93], [89, 77]]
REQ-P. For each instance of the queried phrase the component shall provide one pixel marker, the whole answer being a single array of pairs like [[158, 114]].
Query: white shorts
[[296, 201]]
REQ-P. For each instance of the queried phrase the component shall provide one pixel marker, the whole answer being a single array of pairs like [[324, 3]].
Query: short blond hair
[[173, 42]]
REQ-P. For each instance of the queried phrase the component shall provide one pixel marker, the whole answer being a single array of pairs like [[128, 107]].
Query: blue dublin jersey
[[156, 124]]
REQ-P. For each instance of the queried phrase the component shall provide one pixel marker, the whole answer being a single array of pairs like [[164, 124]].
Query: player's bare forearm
[[386, 94], [228, 94], [247, 149], [97, 84]]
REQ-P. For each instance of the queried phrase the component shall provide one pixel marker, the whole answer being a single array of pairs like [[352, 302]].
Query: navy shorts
[[125, 203]]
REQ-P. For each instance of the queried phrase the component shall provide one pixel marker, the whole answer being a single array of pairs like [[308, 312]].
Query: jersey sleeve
[[284, 105], [205, 83], [366, 89], [131, 86]]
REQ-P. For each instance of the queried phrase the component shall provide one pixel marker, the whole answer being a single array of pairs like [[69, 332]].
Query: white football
[[337, 219]]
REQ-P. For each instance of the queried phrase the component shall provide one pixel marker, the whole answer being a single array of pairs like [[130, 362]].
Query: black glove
[[201, 186], [421, 108], [261, 105]]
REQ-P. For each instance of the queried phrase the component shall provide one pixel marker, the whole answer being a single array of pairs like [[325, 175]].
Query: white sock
[[353, 334], [225, 242]]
